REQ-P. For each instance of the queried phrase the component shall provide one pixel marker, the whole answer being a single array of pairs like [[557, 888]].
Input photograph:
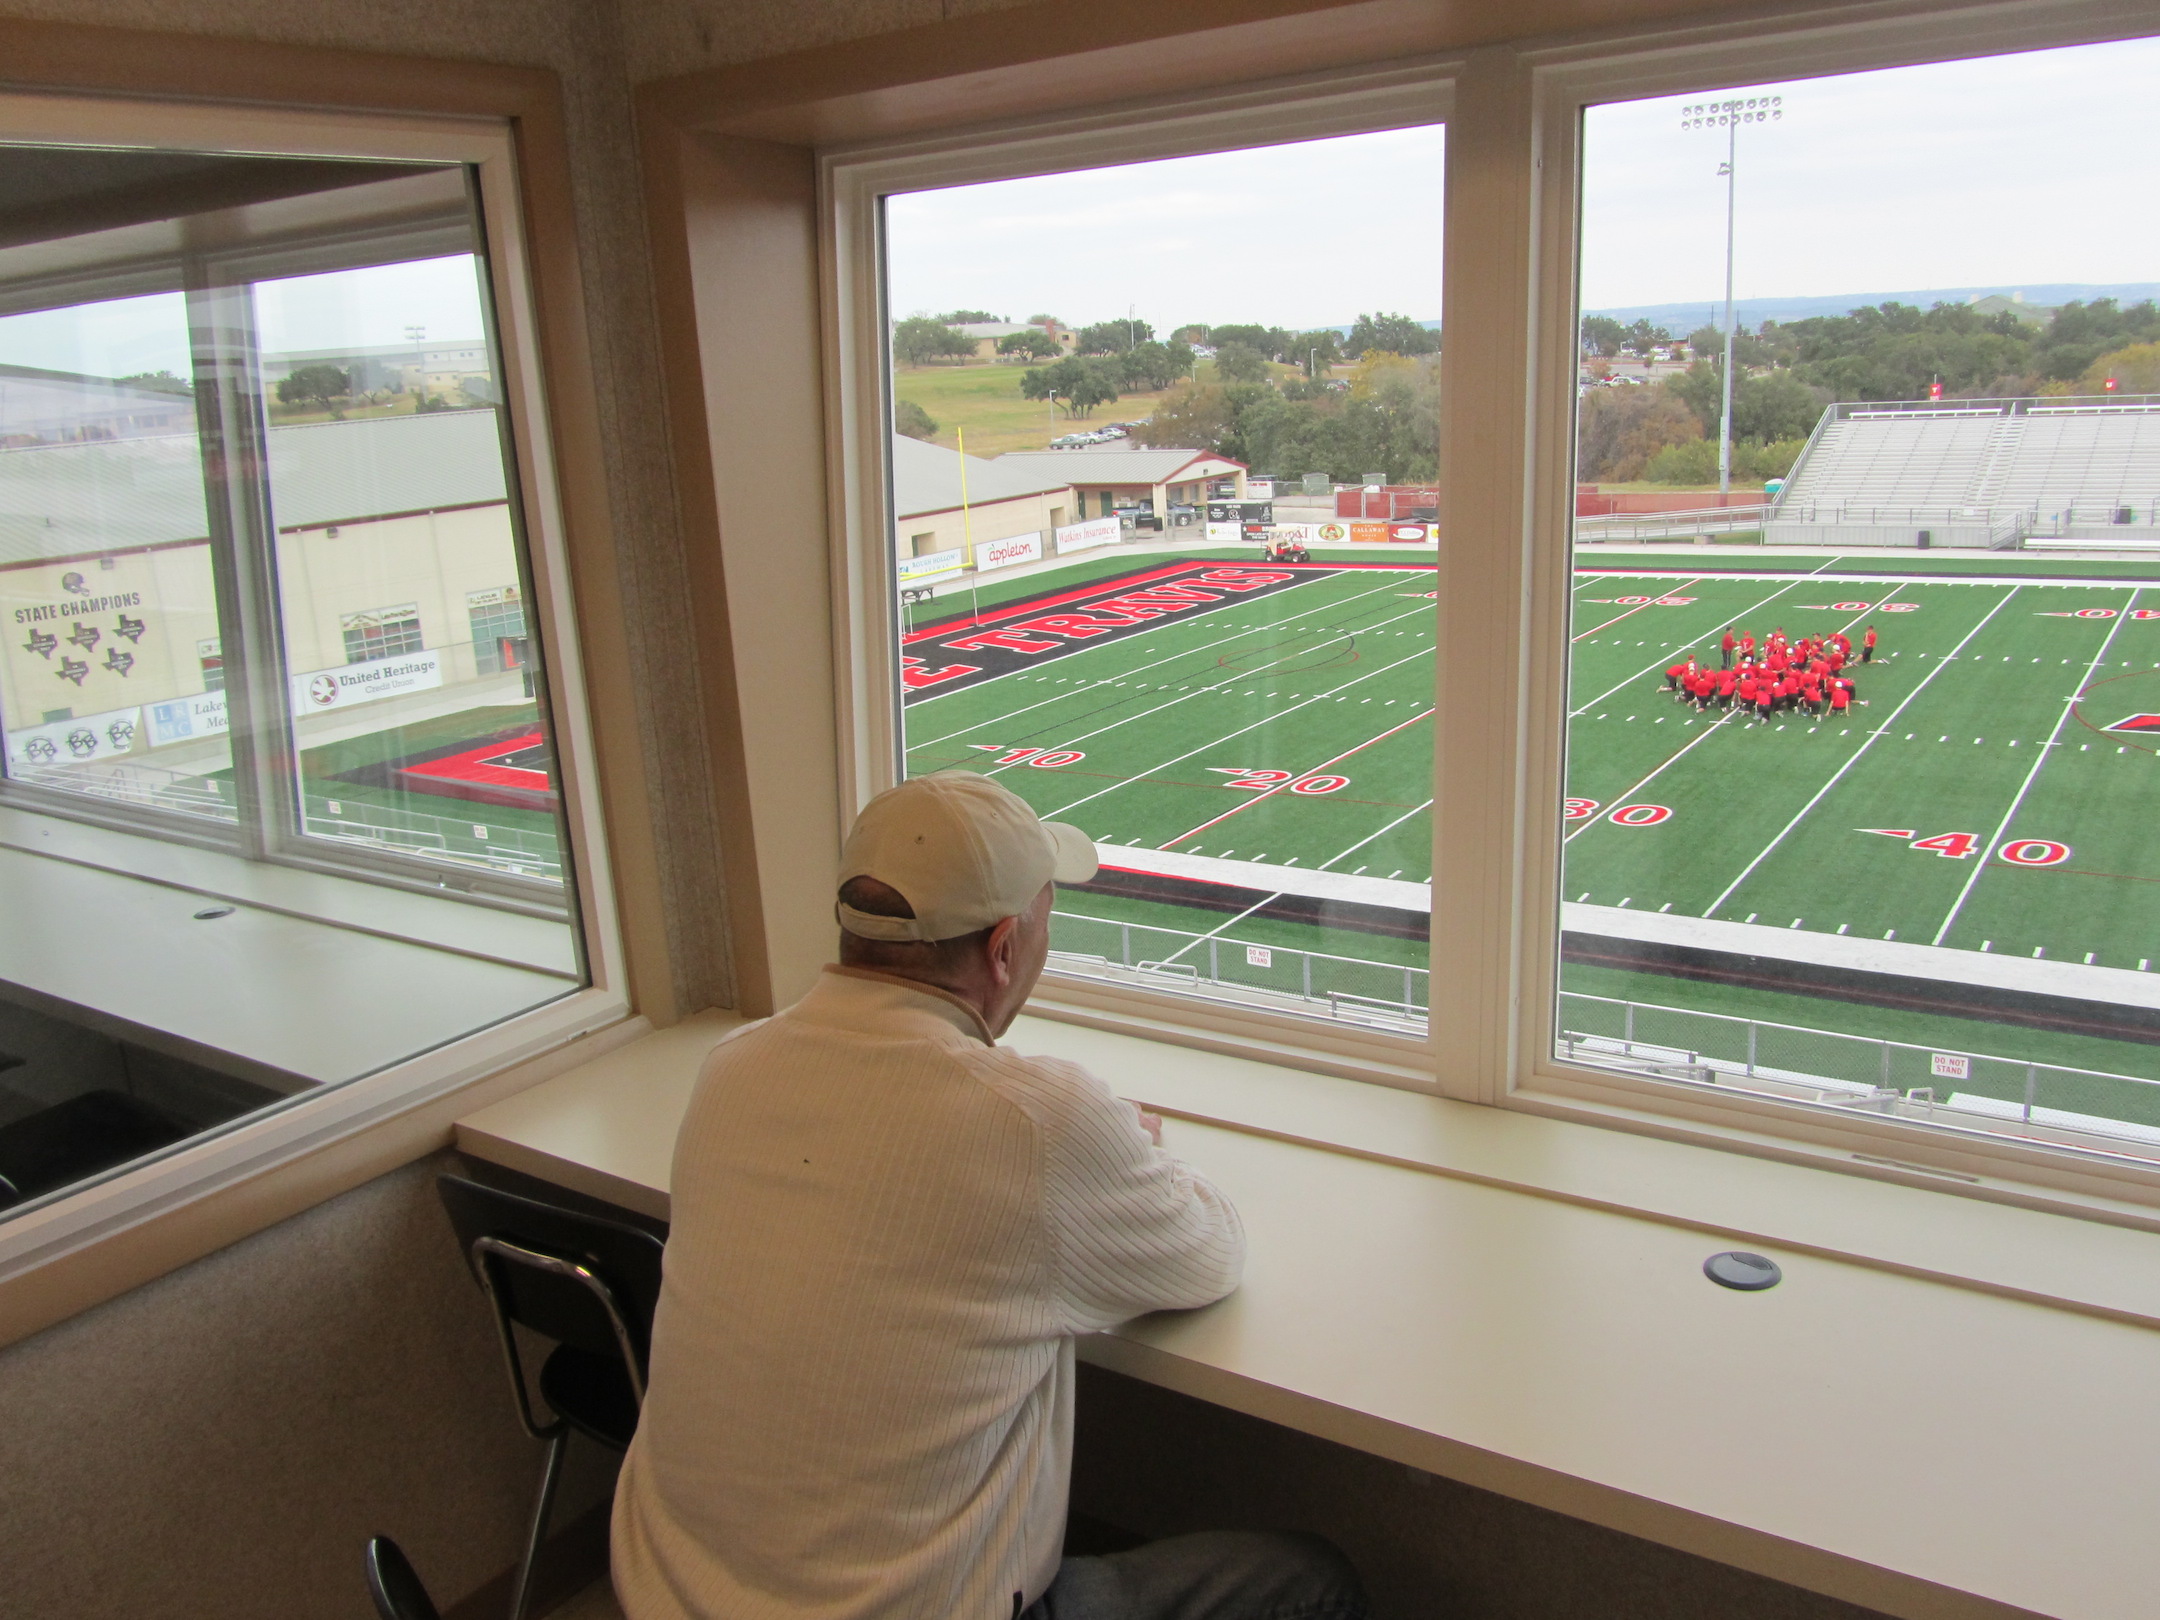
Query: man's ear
[[999, 949]]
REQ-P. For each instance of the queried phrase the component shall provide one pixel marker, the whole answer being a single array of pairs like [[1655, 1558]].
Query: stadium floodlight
[[1729, 114]]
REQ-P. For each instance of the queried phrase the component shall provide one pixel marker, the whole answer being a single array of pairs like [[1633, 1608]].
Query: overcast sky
[[1300, 236], [2033, 168]]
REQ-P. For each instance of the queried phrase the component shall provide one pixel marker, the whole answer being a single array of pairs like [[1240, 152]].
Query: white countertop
[[1925, 1447]]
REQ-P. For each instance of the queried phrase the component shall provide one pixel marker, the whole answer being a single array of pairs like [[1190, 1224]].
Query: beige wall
[[432, 559], [223, 1441], [992, 520]]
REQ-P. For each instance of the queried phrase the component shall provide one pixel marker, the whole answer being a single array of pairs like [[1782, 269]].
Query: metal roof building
[[70, 500]]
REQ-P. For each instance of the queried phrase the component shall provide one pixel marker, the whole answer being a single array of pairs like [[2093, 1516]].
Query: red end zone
[[514, 772]]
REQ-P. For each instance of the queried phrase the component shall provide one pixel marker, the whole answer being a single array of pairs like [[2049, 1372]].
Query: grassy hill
[[985, 399]]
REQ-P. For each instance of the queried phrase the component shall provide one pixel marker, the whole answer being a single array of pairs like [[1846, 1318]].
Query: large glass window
[[1866, 620], [1164, 535], [280, 805]]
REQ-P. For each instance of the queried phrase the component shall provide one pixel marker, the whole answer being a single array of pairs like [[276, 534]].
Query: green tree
[[1266, 341], [2135, 368], [1391, 334], [1642, 337], [1696, 462], [911, 419], [918, 340], [314, 385], [1316, 349], [1618, 430], [1034, 344], [158, 382], [1155, 365], [1113, 337], [1603, 335], [1082, 384], [968, 317], [1240, 362], [2078, 334]]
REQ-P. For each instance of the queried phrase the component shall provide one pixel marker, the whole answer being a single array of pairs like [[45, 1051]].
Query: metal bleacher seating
[[1977, 472]]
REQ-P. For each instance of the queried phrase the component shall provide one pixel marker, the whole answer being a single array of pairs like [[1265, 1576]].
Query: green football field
[[1982, 796]]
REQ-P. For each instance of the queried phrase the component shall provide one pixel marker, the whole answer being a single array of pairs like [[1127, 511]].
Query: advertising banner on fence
[[1085, 536], [1414, 533], [74, 742], [1368, 534], [936, 564], [1014, 548], [1225, 534], [202, 715], [351, 684], [1260, 489]]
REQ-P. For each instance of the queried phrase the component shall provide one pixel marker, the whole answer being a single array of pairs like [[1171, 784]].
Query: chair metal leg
[[550, 1473]]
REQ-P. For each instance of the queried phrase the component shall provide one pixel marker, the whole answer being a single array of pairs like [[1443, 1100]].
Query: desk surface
[[1915, 1446]]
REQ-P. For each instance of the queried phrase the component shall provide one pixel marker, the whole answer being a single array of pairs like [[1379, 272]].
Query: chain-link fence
[[1344, 987], [1853, 1070]]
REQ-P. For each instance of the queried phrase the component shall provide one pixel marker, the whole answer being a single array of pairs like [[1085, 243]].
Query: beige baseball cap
[[962, 850]]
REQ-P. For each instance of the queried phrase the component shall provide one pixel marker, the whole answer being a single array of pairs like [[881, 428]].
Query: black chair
[[391, 1582], [590, 1285]]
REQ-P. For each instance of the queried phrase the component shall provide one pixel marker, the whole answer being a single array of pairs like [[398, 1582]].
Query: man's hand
[[1151, 1123]]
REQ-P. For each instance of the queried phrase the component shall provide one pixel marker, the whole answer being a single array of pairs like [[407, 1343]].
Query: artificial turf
[[1971, 721]]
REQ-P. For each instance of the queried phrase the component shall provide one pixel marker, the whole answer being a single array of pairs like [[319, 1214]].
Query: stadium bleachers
[[1977, 473]]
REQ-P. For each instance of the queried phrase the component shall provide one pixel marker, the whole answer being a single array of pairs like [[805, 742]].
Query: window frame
[[268, 824], [1553, 85], [312, 1121], [853, 180], [1507, 452]]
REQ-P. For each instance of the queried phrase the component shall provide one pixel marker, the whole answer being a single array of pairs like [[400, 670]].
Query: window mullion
[[228, 395], [1484, 456]]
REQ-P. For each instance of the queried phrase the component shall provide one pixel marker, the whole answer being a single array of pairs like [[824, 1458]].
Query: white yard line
[[1257, 798], [2038, 765], [1854, 758], [1657, 662], [1242, 675], [1332, 605], [1369, 837], [1217, 742]]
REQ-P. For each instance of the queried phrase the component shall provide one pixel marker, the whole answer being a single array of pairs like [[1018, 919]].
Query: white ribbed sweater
[[886, 1231]]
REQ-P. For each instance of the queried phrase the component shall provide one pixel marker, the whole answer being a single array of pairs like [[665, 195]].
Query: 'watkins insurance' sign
[[1095, 532], [364, 683], [946, 657]]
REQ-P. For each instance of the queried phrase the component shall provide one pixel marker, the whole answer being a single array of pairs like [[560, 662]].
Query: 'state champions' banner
[[1084, 536], [325, 689], [1015, 548]]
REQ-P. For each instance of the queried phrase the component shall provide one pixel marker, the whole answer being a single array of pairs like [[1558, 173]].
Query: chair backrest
[[391, 1582], [540, 1262]]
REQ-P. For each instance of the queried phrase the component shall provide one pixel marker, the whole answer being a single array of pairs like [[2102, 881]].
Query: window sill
[[1517, 1302]]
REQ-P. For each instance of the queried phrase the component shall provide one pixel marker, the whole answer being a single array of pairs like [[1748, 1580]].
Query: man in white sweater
[[887, 1230]]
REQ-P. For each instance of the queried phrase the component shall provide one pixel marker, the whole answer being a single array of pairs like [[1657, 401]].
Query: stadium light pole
[[1729, 115]]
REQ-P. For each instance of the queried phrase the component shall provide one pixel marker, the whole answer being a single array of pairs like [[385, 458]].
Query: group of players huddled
[[1807, 673]]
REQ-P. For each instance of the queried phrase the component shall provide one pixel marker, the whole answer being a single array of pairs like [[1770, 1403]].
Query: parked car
[[1070, 441], [1140, 517]]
